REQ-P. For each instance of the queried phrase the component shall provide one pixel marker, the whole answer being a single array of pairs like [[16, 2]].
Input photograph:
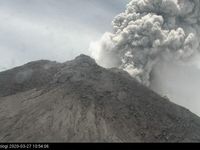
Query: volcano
[[79, 101]]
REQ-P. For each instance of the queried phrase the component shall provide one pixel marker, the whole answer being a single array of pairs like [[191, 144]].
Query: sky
[[52, 29]]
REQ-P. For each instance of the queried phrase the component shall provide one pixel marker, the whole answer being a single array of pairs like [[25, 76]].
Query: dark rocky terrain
[[79, 101]]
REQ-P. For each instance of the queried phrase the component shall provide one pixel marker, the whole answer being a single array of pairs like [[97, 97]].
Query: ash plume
[[150, 31]]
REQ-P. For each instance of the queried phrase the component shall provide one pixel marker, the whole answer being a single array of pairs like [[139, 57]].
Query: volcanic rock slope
[[79, 101]]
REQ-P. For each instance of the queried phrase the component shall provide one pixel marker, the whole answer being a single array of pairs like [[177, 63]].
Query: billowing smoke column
[[150, 31]]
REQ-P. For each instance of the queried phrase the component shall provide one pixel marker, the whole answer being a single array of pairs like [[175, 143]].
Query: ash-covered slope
[[29, 76], [78, 101]]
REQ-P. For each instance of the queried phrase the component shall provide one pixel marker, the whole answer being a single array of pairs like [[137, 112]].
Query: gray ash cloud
[[150, 31]]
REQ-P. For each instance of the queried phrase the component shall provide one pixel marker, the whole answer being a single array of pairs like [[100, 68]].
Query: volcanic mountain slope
[[79, 101]]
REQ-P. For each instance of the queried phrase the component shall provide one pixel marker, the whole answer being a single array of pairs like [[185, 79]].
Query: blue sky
[[52, 29]]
